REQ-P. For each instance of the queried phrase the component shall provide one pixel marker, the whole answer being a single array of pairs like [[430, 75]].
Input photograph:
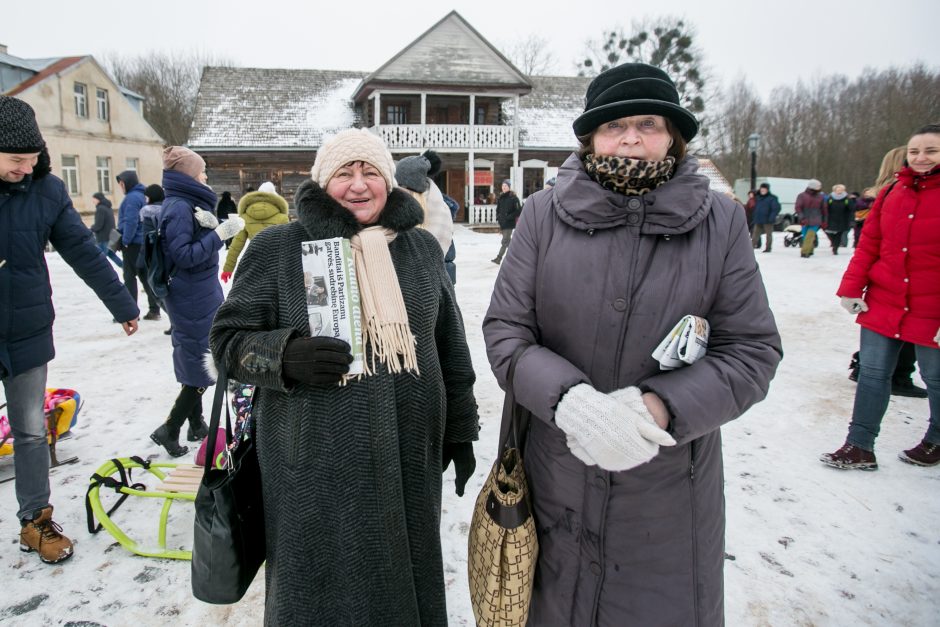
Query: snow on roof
[[546, 113], [272, 108], [716, 179], [34, 65]]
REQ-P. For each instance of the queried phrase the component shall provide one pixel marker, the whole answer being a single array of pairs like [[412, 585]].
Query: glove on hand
[[206, 219], [226, 276], [229, 228], [614, 432], [315, 360], [853, 305], [464, 462]]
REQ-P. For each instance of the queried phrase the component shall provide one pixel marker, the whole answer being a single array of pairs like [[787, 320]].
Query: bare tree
[[533, 56], [169, 81], [833, 129], [666, 42], [737, 116]]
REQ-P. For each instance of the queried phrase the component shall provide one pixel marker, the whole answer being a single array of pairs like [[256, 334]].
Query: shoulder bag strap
[[515, 422], [219, 400]]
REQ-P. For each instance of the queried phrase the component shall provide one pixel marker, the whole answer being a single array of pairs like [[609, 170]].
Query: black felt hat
[[19, 133], [633, 89]]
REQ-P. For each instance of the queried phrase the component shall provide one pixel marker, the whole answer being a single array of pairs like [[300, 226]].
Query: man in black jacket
[[35, 209], [508, 209]]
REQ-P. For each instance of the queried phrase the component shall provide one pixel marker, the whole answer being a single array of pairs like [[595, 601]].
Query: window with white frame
[[104, 112], [70, 174], [131, 163], [81, 100], [103, 167]]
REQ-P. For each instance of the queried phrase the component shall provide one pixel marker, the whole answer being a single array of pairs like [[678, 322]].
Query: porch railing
[[417, 136], [482, 214]]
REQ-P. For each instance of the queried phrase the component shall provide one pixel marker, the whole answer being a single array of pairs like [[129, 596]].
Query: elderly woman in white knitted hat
[[351, 466]]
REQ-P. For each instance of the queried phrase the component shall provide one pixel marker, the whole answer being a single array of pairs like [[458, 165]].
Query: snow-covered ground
[[806, 544]]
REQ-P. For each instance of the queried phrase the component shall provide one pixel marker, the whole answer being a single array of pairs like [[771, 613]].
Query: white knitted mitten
[[229, 228], [206, 219], [615, 433]]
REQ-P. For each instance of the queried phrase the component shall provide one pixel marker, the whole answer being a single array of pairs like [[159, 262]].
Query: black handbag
[[228, 543]]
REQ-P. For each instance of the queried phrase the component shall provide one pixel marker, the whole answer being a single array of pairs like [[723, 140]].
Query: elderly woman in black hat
[[624, 456]]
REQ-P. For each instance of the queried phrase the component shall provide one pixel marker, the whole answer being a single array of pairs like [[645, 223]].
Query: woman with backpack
[[191, 237]]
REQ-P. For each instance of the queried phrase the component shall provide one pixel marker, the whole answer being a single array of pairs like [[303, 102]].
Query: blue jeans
[[878, 356], [25, 396], [103, 247]]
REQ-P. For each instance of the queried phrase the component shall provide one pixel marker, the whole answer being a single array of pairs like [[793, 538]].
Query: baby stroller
[[794, 236]]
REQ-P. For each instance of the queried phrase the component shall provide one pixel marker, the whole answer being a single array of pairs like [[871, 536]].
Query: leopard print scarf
[[631, 177]]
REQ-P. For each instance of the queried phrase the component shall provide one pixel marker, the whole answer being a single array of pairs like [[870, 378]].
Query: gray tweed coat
[[351, 475]]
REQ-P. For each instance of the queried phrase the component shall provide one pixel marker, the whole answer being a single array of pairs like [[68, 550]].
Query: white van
[[786, 190]]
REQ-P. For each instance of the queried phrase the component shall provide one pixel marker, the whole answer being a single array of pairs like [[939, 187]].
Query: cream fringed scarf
[[384, 317]]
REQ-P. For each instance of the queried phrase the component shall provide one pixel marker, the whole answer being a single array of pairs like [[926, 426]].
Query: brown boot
[[44, 535]]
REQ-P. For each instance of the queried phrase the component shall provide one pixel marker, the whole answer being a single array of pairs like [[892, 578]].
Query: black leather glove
[[464, 462], [315, 360]]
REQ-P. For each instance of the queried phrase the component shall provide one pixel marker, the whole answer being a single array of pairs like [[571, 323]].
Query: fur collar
[[323, 217]]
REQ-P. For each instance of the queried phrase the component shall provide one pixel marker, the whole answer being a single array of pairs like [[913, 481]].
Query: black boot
[[906, 387], [168, 440], [198, 429], [853, 368]]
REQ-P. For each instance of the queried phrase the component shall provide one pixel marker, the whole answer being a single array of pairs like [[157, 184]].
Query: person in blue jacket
[[132, 238], [766, 208], [35, 209], [192, 237]]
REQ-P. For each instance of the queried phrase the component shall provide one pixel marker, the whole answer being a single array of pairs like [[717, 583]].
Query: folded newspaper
[[687, 341], [333, 307]]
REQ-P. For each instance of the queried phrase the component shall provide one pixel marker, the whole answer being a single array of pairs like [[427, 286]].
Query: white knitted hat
[[355, 144]]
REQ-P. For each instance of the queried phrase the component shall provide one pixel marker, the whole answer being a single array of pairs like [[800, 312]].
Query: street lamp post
[[753, 143]]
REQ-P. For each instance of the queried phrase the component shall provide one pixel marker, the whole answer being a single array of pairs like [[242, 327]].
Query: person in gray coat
[[103, 226], [624, 459]]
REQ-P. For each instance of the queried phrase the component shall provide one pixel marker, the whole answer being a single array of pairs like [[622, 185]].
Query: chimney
[[3, 48]]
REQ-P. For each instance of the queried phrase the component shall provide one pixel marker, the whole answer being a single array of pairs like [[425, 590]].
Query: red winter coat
[[897, 263]]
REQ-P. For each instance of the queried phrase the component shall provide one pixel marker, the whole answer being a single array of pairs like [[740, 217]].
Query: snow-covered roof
[[546, 113], [33, 65], [716, 179], [451, 52], [247, 108]]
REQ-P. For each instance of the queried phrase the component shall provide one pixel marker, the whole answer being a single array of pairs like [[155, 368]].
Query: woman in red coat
[[893, 284]]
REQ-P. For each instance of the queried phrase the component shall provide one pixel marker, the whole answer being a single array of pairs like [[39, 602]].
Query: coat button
[[634, 203], [911, 216], [620, 304], [906, 280], [904, 250], [595, 568], [907, 309], [633, 218], [897, 335], [599, 480]]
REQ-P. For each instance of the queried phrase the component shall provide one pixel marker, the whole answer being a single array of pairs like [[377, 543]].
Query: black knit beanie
[[19, 133]]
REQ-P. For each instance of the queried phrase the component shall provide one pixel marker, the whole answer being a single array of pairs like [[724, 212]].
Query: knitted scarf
[[384, 317], [631, 177]]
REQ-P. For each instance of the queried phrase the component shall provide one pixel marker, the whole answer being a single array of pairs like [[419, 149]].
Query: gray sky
[[769, 43]]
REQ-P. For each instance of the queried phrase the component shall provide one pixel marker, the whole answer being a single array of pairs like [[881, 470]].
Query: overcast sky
[[769, 43]]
